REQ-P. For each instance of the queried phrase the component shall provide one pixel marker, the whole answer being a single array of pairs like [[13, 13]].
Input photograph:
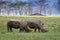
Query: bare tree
[[20, 6], [58, 6], [42, 6], [1, 5], [30, 8]]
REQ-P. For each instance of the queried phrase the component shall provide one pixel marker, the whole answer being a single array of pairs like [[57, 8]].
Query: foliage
[[17, 4], [1, 3], [1, 7]]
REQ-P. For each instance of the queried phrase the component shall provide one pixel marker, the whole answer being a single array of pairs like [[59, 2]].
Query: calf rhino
[[36, 24], [22, 25]]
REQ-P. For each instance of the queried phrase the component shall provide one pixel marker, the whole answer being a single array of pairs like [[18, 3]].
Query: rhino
[[36, 24], [17, 24]]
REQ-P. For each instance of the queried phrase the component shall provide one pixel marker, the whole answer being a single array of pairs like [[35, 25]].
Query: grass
[[51, 23]]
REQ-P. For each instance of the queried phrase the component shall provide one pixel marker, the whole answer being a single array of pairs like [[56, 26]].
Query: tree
[[42, 6], [1, 5], [58, 6], [20, 5], [13, 6], [30, 8]]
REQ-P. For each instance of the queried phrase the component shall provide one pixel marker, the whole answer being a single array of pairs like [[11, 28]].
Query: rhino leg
[[35, 29], [27, 29], [10, 29], [21, 30], [38, 29]]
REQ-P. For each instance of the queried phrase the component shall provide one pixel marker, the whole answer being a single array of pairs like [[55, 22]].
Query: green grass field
[[52, 24]]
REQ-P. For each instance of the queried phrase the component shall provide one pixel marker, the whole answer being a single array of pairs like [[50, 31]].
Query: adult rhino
[[17, 24], [36, 24]]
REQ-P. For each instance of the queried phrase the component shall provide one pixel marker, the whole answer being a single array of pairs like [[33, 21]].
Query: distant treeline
[[35, 7]]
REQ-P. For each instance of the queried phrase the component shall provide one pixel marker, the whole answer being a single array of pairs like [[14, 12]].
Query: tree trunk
[[20, 10], [50, 12], [0, 11], [16, 12], [26, 10], [44, 10], [8, 11], [30, 11], [40, 9]]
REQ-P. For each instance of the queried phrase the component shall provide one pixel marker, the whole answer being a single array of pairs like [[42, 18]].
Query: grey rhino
[[22, 25], [36, 24]]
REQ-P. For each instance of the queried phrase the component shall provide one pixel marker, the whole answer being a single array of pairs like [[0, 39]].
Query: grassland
[[51, 23]]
